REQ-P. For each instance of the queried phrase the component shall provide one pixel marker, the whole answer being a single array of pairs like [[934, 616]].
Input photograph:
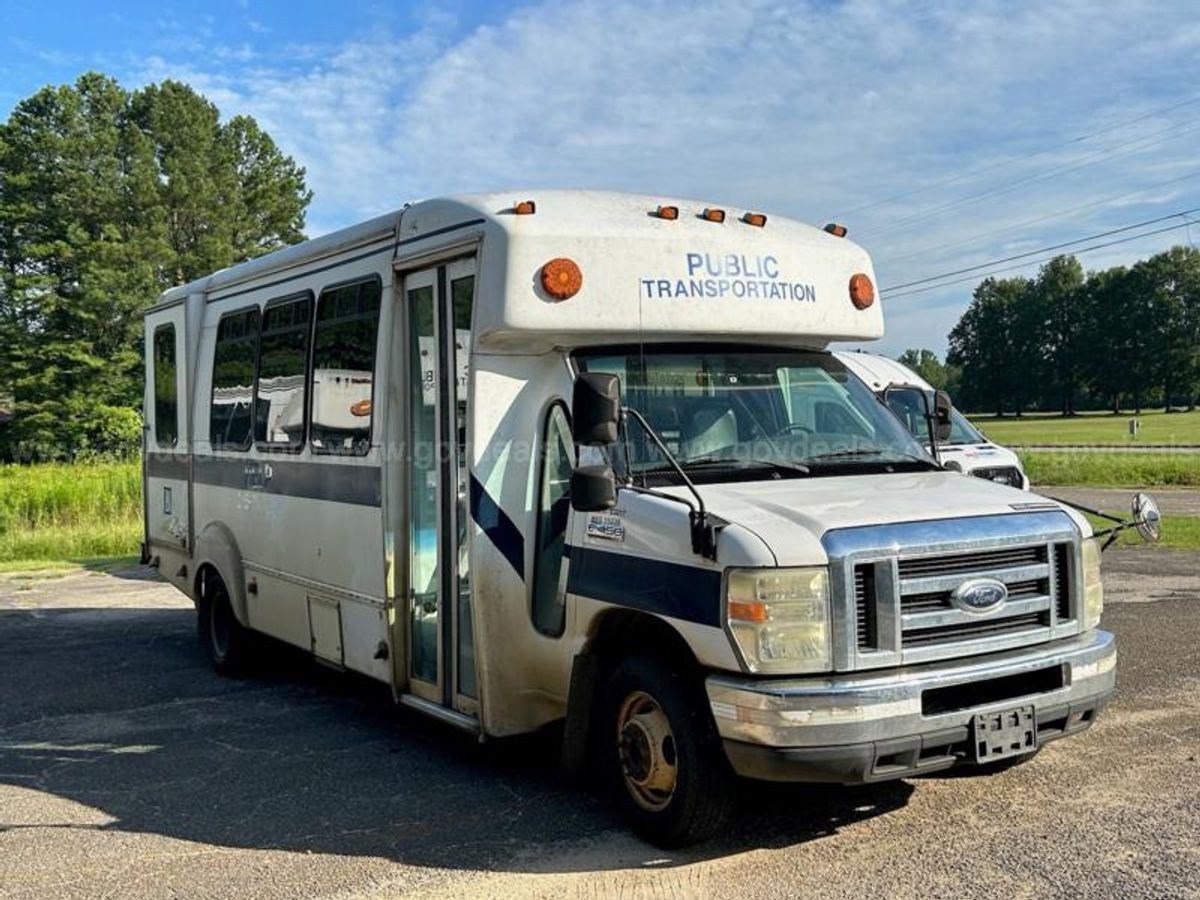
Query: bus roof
[[642, 275]]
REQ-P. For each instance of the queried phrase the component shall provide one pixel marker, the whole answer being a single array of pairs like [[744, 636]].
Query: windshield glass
[[790, 412], [909, 406]]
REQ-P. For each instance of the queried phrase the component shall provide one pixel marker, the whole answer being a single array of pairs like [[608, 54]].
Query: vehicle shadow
[[121, 714]]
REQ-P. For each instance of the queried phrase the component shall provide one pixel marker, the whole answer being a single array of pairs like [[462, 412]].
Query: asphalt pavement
[[128, 769]]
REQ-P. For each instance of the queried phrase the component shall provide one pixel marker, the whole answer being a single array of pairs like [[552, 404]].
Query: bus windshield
[[739, 412]]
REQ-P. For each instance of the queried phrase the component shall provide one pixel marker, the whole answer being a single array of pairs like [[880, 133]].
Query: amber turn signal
[[525, 208], [561, 278], [862, 291]]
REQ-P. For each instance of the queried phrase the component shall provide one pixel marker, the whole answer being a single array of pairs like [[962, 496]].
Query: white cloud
[[803, 109]]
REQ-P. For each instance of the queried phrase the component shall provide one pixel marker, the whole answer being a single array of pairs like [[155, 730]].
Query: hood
[[791, 516]]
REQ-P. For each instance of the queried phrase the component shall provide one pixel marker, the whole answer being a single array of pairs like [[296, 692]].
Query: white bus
[[583, 457], [908, 395]]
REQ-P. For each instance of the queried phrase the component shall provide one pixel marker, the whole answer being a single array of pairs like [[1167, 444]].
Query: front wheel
[[673, 783]]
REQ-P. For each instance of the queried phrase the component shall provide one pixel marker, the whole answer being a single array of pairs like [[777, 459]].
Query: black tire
[[700, 795], [226, 641]]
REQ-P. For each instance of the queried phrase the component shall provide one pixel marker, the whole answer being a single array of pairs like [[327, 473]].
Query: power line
[[1012, 160], [1107, 154], [981, 236], [1005, 259], [1021, 265]]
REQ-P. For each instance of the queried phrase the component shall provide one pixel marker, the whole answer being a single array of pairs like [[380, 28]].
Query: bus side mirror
[[595, 409], [593, 489], [942, 406]]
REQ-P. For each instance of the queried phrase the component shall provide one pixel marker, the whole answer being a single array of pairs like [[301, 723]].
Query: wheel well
[[626, 632]]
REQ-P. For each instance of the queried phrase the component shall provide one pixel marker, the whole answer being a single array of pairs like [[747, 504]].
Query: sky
[[943, 135]]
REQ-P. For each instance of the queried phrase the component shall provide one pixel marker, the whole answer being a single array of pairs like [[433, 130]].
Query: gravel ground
[[127, 769]]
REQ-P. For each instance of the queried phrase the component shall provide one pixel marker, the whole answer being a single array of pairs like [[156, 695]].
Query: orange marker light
[[561, 278], [758, 220], [525, 208], [862, 292], [835, 229], [747, 612], [667, 212], [361, 408], [713, 215]]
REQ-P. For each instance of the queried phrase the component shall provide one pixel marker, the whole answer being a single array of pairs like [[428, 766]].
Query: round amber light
[[561, 278], [862, 292], [361, 408]]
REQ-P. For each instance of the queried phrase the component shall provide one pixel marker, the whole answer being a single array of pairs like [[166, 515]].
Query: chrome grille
[[864, 605], [970, 562], [1062, 581], [976, 630]]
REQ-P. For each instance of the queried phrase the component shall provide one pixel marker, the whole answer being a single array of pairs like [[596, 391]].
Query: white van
[[580, 457], [965, 450]]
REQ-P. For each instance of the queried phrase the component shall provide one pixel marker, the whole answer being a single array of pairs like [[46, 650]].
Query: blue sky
[[944, 135]]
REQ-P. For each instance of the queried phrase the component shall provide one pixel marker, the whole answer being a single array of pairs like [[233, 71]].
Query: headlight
[[780, 618], [1093, 589]]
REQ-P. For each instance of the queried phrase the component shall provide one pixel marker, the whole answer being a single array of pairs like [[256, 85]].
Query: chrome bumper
[[872, 707]]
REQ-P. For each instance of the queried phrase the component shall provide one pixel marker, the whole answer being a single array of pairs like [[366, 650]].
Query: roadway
[[128, 769]]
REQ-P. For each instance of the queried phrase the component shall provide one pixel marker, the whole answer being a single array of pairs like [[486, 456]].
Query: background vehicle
[[585, 457], [966, 450]]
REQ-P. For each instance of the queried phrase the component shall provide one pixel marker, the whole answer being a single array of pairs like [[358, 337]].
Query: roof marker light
[[670, 213], [713, 215], [561, 278], [525, 208], [758, 220], [835, 229], [862, 291]]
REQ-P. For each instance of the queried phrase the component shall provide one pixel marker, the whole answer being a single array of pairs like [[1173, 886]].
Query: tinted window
[[166, 405], [343, 367], [279, 392], [233, 380], [553, 507]]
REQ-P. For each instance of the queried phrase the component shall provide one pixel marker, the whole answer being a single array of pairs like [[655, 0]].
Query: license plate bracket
[[1008, 732]]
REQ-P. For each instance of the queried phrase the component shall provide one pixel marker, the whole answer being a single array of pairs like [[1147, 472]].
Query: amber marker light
[[862, 291], [835, 229], [670, 213], [713, 215], [758, 220], [361, 408], [561, 278], [748, 611], [525, 208]]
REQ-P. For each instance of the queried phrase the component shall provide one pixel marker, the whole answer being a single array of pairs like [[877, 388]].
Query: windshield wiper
[[747, 461], [744, 462], [876, 451]]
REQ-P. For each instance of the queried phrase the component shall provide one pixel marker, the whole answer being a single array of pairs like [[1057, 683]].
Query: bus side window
[[166, 404], [280, 388], [554, 504], [235, 357], [343, 388]]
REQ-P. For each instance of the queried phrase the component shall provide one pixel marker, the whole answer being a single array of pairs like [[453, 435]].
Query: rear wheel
[[671, 779], [223, 637]]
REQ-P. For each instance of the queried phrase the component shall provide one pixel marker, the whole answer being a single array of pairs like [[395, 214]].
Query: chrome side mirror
[[1146, 517]]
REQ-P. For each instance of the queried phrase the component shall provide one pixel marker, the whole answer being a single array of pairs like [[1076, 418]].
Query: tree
[[107, 198], [1060, 317], [992, 345], [926, 364]]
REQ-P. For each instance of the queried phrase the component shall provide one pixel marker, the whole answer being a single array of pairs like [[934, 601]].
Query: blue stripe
[[668, 589], [437, 231], [500, 529]]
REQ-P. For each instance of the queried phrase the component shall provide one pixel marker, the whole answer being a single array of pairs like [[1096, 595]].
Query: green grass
[[70, 512], [1178, 533], [1158, 427], [1133, 470]]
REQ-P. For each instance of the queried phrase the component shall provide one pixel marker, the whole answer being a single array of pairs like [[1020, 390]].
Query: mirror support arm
[[704, 536]]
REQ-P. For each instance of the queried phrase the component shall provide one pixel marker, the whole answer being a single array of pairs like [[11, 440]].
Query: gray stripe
[[167, 465], [305, 274], [340, 483]]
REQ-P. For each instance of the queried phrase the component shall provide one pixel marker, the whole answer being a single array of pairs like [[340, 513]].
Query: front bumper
[[874, 726]]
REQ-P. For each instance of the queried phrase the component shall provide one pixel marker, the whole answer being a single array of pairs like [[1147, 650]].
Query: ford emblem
[[979, 595]]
